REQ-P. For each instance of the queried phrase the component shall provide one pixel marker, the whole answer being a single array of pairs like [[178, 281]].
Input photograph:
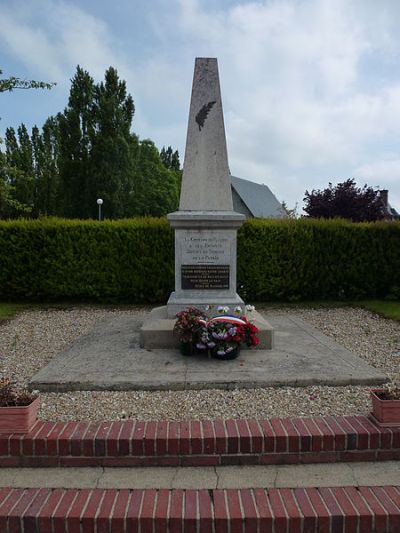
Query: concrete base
[[200, 299], [156, 332], [109, 358]]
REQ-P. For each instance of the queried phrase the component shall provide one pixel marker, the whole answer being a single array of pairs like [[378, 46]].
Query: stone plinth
[[156, 331]]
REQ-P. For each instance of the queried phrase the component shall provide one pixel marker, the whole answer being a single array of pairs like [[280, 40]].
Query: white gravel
[[31, 339]]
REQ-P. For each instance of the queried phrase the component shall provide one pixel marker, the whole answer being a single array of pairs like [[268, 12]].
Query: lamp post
[[99, 203]]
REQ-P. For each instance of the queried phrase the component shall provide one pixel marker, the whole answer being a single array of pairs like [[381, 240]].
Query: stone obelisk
[[205, 225]]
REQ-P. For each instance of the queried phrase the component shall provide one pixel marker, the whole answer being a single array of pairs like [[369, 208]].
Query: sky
[[310, 88]]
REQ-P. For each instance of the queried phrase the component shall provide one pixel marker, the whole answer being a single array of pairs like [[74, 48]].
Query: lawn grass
[[8, 310], [386, 308]]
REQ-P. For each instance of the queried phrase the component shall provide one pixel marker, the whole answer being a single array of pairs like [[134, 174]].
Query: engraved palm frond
[[203, 113]]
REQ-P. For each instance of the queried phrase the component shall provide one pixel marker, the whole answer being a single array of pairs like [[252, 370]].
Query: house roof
[[259, 199]]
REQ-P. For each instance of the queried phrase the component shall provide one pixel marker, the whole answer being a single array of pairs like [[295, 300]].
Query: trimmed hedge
[[133, 260]]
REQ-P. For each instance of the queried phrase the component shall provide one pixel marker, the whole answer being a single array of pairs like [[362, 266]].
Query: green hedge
[[133, 260]]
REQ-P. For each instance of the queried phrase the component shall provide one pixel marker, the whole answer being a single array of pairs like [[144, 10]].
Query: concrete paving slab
[[224, 477], [110, 358]]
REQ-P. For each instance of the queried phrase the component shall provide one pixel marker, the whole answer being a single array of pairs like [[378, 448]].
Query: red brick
[[206, 515], [176, 511], [190, 511], [380, 513], [236, 517], [149, 442], [221, 440], [100, 439], [173, 438], [77, 439], [64, 440], [269, 436], [357, 455], [10, 462], [337, 522], [316, 435], [318, 510], [233, 436], [52, 439], [264, 511], [14, 516], [310, 519], [292, 510], [394, 494], [281, 438], [278, 511], [363, 435], [305, 436], [366, 516], [351, 434], [118, 514], [338, 431], [161, 437], [184, 437], [15, 446], [113, 439], [28, 438], [93, 506], [257, 437], [73, 514], [293, 435], [196, 441], [44, 519], [4, 444], [125, 437], [132, 515], [249, 511], [29, 517], [199, 460], [7, 505], [161, 511], [138, 438], [208, 436], [147, 511], [221, 512], [60, 512], [349, 511], [104, 512], [328, 436], [375, 434], [88, 441], [392, 509], [244, 436]]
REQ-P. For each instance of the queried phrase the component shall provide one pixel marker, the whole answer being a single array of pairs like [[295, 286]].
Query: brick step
[[194, 443], [329, 510]]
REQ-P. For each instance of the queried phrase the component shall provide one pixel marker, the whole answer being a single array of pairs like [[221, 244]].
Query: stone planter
[[19, 419], [385, 412]]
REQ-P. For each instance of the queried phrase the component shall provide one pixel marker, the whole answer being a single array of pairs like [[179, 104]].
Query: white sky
[[310, 88]]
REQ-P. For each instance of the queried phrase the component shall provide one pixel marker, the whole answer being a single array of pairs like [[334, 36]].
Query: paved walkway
[[110, 358], [224, 477]]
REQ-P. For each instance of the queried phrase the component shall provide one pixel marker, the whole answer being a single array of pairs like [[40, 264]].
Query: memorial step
[[336, 509], [201, 443]]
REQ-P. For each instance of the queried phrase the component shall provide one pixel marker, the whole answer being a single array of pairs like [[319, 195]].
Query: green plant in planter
[[10, 397]]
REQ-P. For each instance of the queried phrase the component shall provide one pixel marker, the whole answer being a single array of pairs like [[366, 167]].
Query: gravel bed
[[31, 339]]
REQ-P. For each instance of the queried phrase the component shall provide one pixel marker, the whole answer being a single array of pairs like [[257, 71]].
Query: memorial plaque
[[205, 277]]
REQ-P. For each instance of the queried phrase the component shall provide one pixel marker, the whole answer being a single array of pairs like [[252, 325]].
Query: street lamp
[[99, 203]]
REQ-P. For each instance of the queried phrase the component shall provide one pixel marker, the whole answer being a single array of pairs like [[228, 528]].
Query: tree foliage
[[12, 83], [86, 152], [345, 200]]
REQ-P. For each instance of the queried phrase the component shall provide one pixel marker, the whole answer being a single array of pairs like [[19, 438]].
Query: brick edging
[[218, 442], [235, 510]]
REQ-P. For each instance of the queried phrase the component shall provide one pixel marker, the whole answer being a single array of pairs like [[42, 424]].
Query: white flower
[[250, 308], [238, 310], [220, 309], [207, 307], [225, 309]]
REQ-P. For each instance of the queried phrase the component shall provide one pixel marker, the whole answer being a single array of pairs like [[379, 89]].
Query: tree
[[170, 159], [345, 200], [12, 83]]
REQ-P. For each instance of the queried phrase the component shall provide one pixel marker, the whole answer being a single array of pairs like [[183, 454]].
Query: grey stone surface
[[205, 225], [157, 331], [224, 477], [206, 182], [110, 358]]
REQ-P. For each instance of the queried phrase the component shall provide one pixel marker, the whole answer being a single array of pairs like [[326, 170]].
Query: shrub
[[133, 260]]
